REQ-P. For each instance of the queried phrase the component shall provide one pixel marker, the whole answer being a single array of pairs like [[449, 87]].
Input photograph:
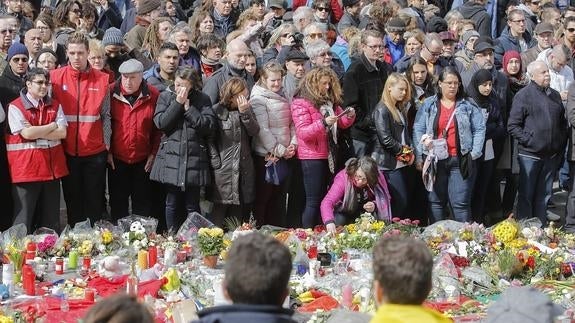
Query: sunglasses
[[20, 59], [322, 9]]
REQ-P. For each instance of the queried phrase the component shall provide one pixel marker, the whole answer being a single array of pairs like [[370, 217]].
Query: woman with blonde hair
[[156, 34], [317, 115], [280, 43], [234, 187], [393, 150], [275, 141], [97, 58]]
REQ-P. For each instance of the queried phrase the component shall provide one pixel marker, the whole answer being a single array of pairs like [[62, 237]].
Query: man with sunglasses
[[36, 159], [569, 38]]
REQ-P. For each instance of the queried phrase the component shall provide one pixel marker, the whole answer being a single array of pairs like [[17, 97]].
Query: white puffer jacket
[[273, 113]]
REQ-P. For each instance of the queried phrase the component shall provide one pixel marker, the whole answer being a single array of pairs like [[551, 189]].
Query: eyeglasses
[[286, 35], [41, 83], [20, 59], [322, 9], [375, 47], [315, 35], [5, 31], [436, 54], [360, 178], [520, 21], [571, 30]]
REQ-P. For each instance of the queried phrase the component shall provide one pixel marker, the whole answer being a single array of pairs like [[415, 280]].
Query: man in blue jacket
[[537, 123]]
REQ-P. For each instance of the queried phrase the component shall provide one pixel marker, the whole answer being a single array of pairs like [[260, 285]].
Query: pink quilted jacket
[[310, 131]]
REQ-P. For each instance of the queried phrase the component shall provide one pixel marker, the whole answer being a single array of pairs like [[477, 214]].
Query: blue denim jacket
[[468, 120]]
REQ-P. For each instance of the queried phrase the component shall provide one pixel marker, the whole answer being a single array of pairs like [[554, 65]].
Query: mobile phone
[[344, 112]]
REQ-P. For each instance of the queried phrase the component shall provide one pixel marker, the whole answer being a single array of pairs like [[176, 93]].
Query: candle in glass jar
[[73, 259], [143, 259], [152, 256]]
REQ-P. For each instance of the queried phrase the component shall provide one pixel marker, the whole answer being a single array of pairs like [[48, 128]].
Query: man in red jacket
[[135, 141], [35, 155], [83, 93]]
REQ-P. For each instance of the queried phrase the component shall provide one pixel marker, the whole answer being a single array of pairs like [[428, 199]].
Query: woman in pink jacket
[[317, 116], [358, 188]]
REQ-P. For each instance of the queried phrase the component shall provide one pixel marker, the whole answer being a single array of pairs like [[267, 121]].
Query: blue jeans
[[535, 186], [450, 187], [179, 204], [315, 176]]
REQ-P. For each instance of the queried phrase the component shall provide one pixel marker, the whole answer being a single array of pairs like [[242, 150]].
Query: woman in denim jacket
[[449, 116]]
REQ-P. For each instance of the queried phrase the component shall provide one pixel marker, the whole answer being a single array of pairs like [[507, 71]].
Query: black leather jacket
[[387, 139]]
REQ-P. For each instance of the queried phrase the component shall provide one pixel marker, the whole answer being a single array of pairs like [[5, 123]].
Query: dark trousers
[[84, 187], [128, 182], [37, 204], [535, 186], [270, 202], [315, 178], [570, 210], [450, 187], [483, 177], [222, 211], [295, 193], [401, 187], [180, 204]]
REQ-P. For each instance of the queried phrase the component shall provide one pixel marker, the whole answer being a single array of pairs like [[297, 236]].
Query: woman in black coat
[[234, 181], [393, 149], [481, 93], [184, 114]]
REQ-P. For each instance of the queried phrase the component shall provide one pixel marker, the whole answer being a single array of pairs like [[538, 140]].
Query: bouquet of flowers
[[211, 241], [136, 237], [46, 245]]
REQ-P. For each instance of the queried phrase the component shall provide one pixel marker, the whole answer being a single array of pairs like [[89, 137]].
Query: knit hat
[[349, 3], [113, 36], [507, 57], [16, 49], [395, 25], [436, 25], [147, 6], [467, 35]]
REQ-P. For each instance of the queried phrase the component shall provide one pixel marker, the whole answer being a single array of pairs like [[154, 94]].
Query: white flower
[[137, 244]]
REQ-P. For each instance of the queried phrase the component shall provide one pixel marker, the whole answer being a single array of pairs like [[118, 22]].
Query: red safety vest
[[81, 95], [33, 160]]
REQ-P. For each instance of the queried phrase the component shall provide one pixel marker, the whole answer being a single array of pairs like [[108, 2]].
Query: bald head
[[539, 73], [558, 58], [237, 52], [33, 41]]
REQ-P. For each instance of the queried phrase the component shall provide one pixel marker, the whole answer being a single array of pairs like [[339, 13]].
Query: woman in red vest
[[35, 155]]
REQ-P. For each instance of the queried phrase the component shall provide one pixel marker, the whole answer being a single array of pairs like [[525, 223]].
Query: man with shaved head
[[236, 55], [561, 74], [538, 125], [33, 42]]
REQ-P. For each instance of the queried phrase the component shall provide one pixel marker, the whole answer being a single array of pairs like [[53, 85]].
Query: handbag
[[276, 172]]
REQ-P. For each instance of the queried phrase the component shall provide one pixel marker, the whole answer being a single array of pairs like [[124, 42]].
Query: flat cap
[[131, 66]]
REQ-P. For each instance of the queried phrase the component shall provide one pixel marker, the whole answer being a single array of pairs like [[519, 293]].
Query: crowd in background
[[288, 112]]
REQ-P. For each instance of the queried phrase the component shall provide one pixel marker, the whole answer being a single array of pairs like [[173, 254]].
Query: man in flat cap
[[135, 141]]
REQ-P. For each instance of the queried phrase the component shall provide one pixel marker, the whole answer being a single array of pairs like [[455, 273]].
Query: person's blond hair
[[309, 87], [395, 107]]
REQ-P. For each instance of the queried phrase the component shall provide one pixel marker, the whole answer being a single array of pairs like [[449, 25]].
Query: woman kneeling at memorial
[[356, 189]]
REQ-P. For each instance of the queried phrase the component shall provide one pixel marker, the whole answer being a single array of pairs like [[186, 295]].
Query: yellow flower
[[351, 228], [6, 319], [203, 231], [107, 237]]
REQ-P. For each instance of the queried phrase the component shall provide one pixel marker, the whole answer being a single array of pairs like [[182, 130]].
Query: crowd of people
[[291, 113]]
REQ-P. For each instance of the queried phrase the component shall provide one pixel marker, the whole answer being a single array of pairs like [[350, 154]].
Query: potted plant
[[210, 243]]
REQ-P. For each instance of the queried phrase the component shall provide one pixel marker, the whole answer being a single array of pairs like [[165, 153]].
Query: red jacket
[[82, 95], [32, 160], [310, 132], [336, 9], [134, 135]]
